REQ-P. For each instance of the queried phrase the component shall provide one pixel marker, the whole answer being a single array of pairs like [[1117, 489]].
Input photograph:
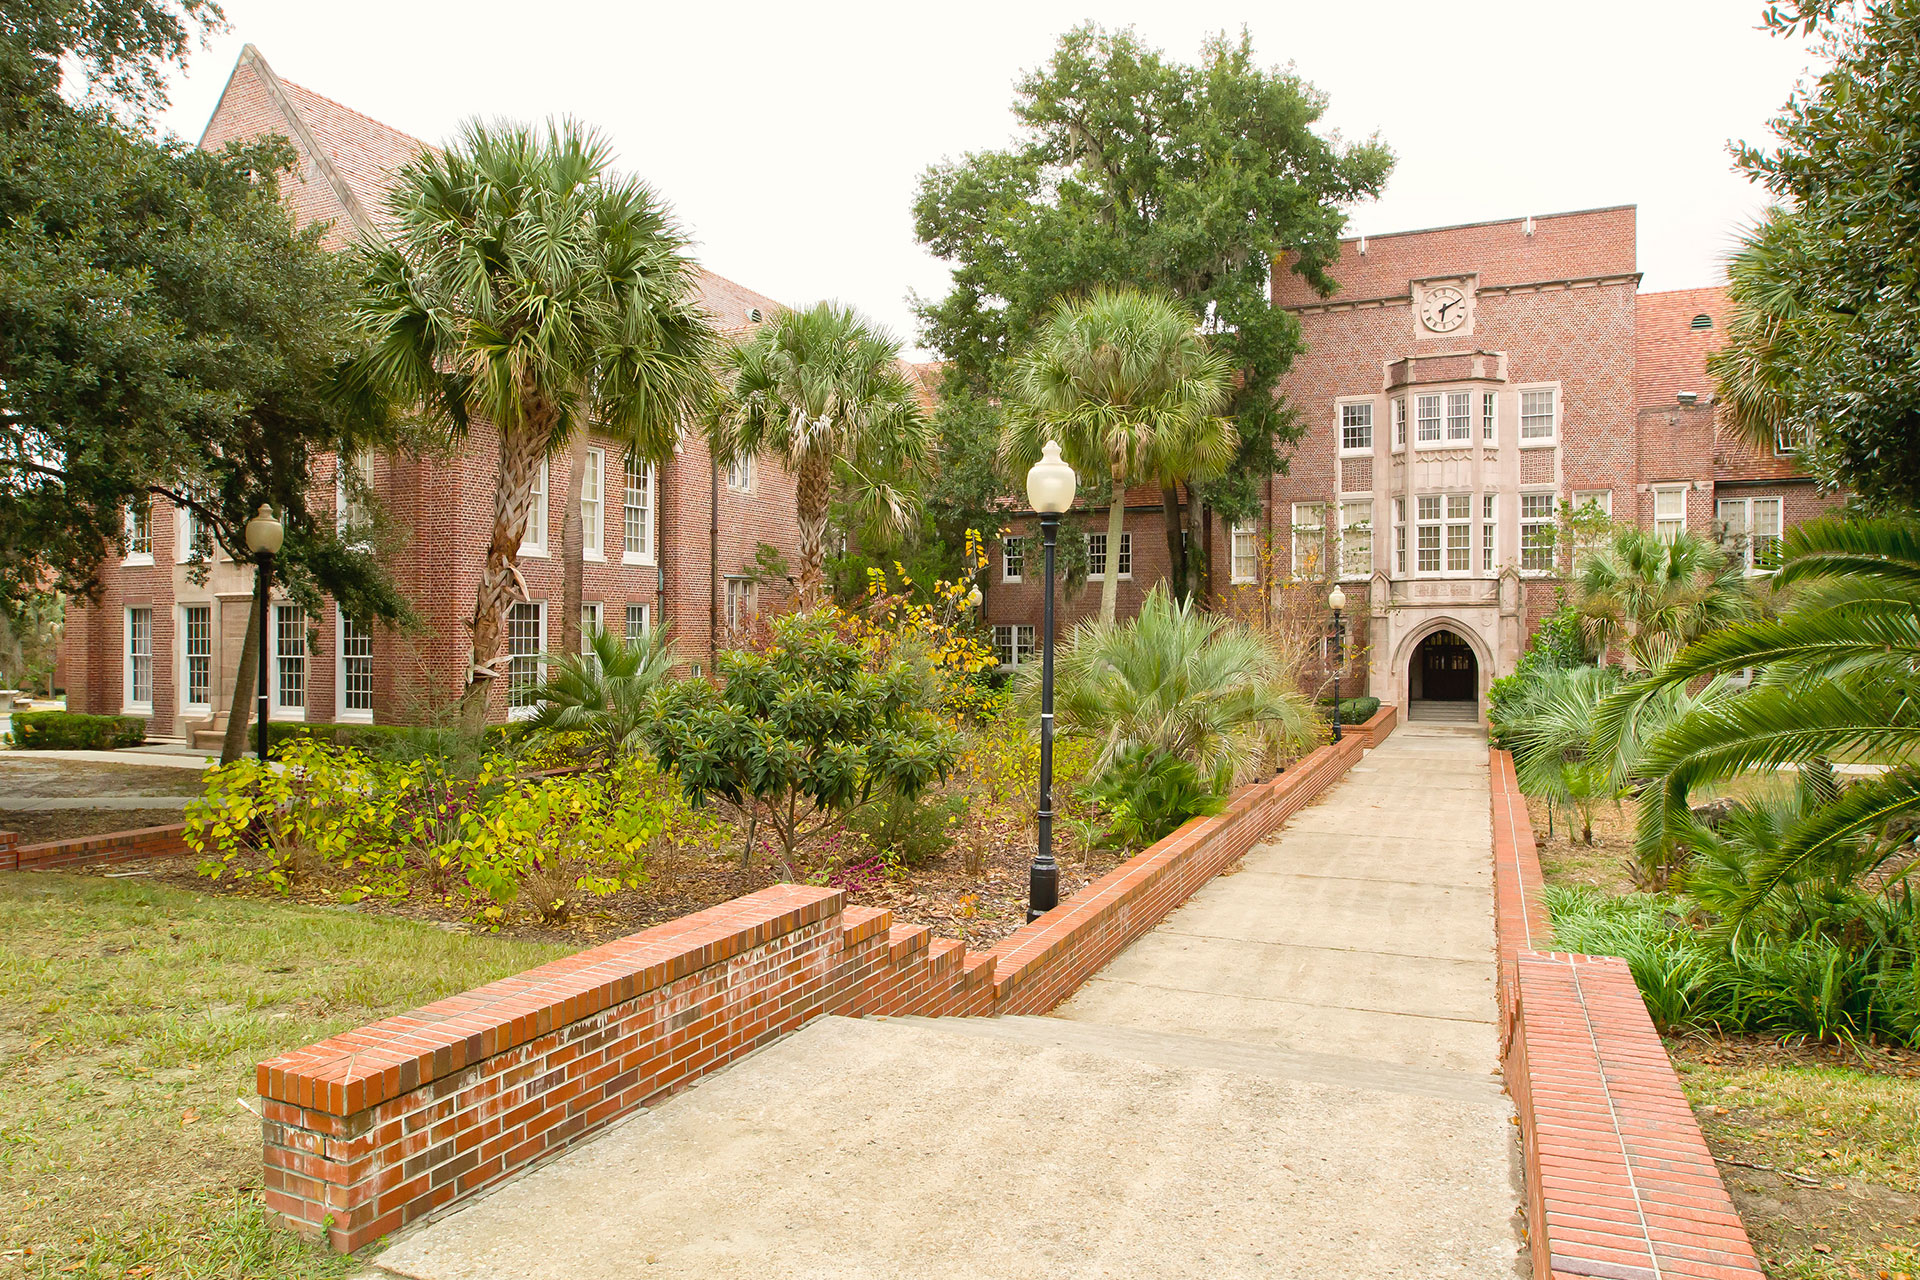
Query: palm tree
[[1839, 678], [824, 390], [604, 693], [1126, 384], [1178, 682], [526, 286], [1650, 595], [1769, 333]]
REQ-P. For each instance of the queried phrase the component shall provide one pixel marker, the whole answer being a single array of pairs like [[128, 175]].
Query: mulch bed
[[37, 825]]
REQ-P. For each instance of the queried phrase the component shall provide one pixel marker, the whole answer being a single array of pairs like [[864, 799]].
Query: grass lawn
[[131, 1017]]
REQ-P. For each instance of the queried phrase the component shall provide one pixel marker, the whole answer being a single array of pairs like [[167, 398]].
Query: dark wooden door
[[1447, 669]]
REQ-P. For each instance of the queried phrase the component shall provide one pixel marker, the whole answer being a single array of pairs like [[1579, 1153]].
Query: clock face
[[1443, 309]]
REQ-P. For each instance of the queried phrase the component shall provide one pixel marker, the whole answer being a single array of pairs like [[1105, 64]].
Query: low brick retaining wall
[[379, 1127], [117, 846], [1620, 1183]]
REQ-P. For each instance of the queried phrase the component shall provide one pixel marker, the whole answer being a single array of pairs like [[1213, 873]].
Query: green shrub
[[1353, 710], [395, 741], [908, 832], [71, 731], [1147, 795]]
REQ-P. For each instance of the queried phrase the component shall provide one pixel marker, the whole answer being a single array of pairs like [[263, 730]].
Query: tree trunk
[[573, 542], [1116, 516], [246, 687], [521, 450], [813, 489], [1176, 551], [1199, 561]]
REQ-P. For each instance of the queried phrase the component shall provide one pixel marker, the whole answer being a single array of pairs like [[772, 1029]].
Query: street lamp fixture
[[1050, 486], [1337, 602], [264, 536]]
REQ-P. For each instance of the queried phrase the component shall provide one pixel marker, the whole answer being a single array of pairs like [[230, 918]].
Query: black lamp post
[[1337, 601], [264, 535], [1050, 486]]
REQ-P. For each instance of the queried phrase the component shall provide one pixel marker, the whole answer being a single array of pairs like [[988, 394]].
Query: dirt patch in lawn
[[35, 826], [59, 778]]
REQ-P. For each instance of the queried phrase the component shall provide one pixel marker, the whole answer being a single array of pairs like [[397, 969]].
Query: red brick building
[[674, 543], [1462, 385]]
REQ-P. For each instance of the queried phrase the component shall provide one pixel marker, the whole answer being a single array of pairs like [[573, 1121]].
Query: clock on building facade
[[1443, 307]]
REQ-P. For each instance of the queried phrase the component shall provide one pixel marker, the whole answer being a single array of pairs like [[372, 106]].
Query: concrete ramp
[[1295, 1076]]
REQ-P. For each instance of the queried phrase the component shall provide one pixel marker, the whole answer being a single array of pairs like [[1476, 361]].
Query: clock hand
[[1445, 305]]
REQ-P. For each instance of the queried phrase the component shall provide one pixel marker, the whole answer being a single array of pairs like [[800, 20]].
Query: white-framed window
[[192, 539], [139, 531], [636, 508], [740, 474], [1536, 532], [1400, 536], [1669, 510], [1488, 528], [1428, 509], [1013, 559], [1459, 533], [1600, 500], [639, 622], [741, 607], [1013, 644], [1487, 404], [1400, 423], [354, 670], [1459, 416], [1097, 556], [352, 485], [139, 661], [196, 656], [1789, 440], [1245, 565], [534, 542], [1750, 531], [1539, 418], [589, 623], [1427, 418], [289, 661], [1356, 537], [593, 504], [1309, 536], [1356, 427], [526, 641]]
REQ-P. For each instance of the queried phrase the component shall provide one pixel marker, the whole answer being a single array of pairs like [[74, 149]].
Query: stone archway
[[1444, 668]]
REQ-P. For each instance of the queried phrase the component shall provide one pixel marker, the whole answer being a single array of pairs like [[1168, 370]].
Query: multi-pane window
[[197, 622], [740, 474], [1594, 501], [1789, 440], [1013, 645], [1750, 531], [1013, 559], [1356, 538], [352, 486], [636, 507], [1486, 416], [1427, 526], [589, 623], [1097, 556], [1400, 536], [1356, 427], [140, 657], [1246, 553], [534, 541], [1309, 536], [290, 657], [1426, 418], [1459, 532], [1399, 423], [1487, 529], [1536, 532], [196, 539], [639, 623], [593, 502], [139, 521], [739, 601], [526, 632], [1459, 415], [356, 666], [1536, 414], [1669, 511]]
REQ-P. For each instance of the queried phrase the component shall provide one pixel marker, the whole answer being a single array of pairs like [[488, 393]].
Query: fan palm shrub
[[604, 695], [825, 391], [1645, 596], [1127, 385], [525, 286], [1549, 730]]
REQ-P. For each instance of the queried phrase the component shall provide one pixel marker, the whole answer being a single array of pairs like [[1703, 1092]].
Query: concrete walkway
[[1294, 1076]]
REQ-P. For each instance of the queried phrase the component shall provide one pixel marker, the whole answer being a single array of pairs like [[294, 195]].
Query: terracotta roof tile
[[1670, 355]]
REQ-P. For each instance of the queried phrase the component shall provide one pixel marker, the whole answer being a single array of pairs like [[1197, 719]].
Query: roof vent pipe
[[1363, 245], [1526, 228]]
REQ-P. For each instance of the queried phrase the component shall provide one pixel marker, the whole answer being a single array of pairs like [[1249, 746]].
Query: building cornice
[[1484, 291]]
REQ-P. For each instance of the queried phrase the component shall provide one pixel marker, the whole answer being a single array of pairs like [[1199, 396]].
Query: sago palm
[[824, 390], [1648, 596], [526, 287], [1839, 679], [1177, 682], [1126, 384], [604, 694]]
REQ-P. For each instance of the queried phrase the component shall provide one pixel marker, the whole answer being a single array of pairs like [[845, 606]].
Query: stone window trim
[[1353, 426], [1309, 526], [352, 669], [1538, 512], [1489, 532], [1399, 413], [191, 538], [1443, 526], [1489, 418], [1530, 415], [1356, 531], [1445, 417], [136, 654], [1670, 507]]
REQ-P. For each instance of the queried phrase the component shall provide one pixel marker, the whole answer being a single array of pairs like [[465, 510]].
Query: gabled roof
[[1670, 355], [348, 161]]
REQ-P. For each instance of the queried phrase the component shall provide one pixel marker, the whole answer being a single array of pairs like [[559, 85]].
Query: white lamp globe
[[1050, 483], [264, 533], [1338, 600]]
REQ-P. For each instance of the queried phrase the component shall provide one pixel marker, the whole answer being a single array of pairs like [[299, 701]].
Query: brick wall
[[1620, 1182], [117, 846], [378, 1127]]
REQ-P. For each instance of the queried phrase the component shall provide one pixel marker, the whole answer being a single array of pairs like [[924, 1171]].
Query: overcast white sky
[[789, 137]]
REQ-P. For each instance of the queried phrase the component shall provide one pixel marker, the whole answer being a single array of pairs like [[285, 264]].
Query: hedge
[[71, 731], [1353, 710], [371, 737]]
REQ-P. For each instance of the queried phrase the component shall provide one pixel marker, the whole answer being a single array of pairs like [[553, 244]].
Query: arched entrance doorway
[[1443, 679]]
